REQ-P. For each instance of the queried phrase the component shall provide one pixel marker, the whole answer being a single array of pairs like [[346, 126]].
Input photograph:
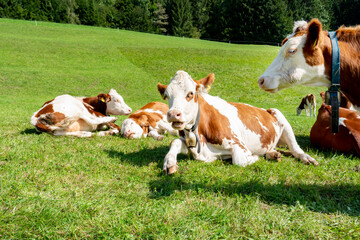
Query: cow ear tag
[[208, 87], [102, 99]]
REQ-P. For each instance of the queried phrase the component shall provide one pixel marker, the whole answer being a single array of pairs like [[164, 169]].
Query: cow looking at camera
[[211, 128]]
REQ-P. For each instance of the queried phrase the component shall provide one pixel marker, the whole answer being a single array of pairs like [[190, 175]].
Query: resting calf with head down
[[211, 128], [347, 139], [150, 120]]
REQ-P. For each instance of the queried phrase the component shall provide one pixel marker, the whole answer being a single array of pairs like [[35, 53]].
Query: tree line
[[222, 20]]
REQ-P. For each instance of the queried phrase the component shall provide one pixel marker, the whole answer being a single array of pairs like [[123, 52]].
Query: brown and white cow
[[68, 115], [225, 130], [305, 59], [346, 140], [150, 120], [309, 104]]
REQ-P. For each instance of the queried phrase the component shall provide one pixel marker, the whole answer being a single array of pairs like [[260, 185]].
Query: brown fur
[[310, 97], [144, 119], [346, 140], [215, 131], [98, 104], [317, 50]]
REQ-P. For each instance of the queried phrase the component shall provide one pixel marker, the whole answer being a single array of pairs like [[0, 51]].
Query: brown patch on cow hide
[[95, 106], [47, 109], [349, 137], [213, 126], [143, 118], [259, 121], [156, 106]]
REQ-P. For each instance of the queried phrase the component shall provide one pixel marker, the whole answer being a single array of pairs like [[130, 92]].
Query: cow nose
[[174, 115], [261, 82], [129, 110]]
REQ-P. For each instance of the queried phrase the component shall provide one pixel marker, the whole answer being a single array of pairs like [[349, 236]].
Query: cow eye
[[292, 51], [189, 96]]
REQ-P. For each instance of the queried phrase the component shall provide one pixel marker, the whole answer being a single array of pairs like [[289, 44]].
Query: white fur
[[76, 114], [130, 129], [246, 153], [289, 70]]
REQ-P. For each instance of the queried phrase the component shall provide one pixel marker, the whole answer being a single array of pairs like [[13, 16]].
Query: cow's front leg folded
[[170, 163]]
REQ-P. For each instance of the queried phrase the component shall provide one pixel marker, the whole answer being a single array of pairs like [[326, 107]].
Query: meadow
[[111, 187]]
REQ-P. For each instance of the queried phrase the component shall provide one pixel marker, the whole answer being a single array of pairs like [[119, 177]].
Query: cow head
[[115, 104], [130, 129], [300, 60], [182, 96]]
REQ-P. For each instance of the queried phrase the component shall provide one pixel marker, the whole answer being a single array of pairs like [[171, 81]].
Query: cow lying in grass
[[67, 115], [150, 120], [211, 128], [347, 139], [305, 58]]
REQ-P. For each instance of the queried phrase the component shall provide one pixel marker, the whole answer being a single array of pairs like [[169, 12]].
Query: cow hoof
[[306, 159], [171, 170], [274, 155], [159, 138]]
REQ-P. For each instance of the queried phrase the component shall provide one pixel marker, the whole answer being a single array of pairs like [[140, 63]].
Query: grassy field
[[110, 187]]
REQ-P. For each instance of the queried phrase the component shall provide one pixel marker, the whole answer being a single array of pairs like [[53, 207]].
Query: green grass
[[110, 187]]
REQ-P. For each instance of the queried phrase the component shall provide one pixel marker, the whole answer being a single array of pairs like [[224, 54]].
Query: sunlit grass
[[64, 187]]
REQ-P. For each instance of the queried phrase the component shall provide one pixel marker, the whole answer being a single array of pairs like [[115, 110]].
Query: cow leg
[[111, 131], [98, 120], [170, 163], [154, 134], [307, 110], [77, 134], [242, 157], [273, 155], [167, 127], [288, 137]]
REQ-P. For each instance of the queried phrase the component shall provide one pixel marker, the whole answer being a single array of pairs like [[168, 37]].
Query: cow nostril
[[178, 115], [261, 82]]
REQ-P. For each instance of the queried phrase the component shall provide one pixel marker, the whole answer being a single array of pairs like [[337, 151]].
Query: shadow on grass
[[333, 198], [30, 131], [143, 157]]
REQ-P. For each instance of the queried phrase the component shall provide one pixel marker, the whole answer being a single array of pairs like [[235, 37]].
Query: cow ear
[[161, 88], [207, 82], [104, 97], [353, 126], [313, 34]]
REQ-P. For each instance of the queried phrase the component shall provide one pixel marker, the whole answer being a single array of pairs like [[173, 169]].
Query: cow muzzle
[[175, 118], [262, 84]]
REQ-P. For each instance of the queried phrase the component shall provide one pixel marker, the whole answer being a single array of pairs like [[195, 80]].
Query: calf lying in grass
[[347, 139], [211, 128], [150, 120], [67, 115]]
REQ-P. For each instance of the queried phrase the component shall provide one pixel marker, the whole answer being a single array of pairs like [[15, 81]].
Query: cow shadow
[[30, 131], [327, 199], [143, 157]]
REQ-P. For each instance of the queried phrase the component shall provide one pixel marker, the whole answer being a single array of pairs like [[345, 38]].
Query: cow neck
[[194, 128], [333, 95], [97, 105]]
